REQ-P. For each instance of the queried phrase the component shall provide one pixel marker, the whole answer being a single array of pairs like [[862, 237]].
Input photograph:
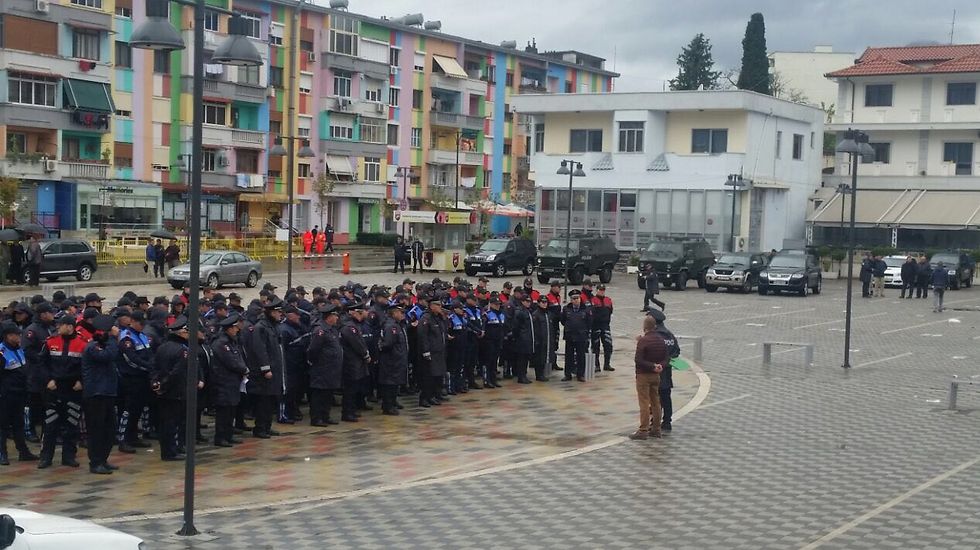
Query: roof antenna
[[952, 27]]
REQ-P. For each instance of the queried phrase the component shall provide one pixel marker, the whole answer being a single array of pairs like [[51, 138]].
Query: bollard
[[346, 264], [953, 387]]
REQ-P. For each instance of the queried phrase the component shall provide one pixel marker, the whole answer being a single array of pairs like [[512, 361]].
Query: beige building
[[801, 75]]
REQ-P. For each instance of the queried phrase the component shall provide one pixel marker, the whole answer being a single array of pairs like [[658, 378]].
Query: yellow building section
[[680, 125]]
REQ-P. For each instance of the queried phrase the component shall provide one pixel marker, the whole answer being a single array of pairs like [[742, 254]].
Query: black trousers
[[224, 423], [100, 421], [399, 263], [389, 396], [417, 261], [575, 358], [159, 270], [666, 404], [12, 420], [35, 417], [553, 350], [454, 364], [488, 360], [651, 296], [350, 397], [63, 412], [539, 362], [520, 365], [329, 246], [922, 290], [907, 286], [136, 394], [602, 336], [296, 380], [265, 412], [865, 288], [169, 413], [34, 271], [320, 401]]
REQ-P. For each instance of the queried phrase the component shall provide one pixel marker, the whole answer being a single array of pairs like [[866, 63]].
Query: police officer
[[456, 347], [666, 383], [493, 339], [554, 308], [577, 320], [394, 359], [355, 362], [412, 318], [541, 322], [61, 366], [602, 310], [522, 338], [169, 381], [325, 356], [135, 364], [652, 288], [13, 393], [432, 352], [32, 342], [265, 362], [474, 333], [228, 373], [295, 339], [100, 386]]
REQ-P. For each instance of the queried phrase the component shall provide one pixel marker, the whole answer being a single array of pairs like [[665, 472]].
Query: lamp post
[[855, 144], [305, 152], [843, 189], [403, 172], [735, 182], [156, 33], [573, 170]]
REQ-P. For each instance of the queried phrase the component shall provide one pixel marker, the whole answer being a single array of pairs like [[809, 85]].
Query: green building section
[[374, 32]]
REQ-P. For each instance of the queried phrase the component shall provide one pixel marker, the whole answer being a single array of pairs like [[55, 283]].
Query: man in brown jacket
[[651, 358]]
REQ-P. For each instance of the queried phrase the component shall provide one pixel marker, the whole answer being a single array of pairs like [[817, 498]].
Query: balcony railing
[[86, 170], [532, 89], [247, 136]]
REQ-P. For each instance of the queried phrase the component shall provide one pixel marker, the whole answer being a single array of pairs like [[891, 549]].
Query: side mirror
[[8, 531]]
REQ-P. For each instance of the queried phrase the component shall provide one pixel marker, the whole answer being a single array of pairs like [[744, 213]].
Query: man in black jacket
[[13, 393], [355, 362], [541, 323], [32, 342], [493, 339], [909, 270], [61, 369], [432, 353], [295, 339], [666, 381], [577, 320], [265, 362], [923, 277], [602, 310], [522, 338], [169, 381], [417, 249], [100, 387], [325, 355], [393, 371], [135, 363], [867, 271], [228, 372], [878, 271]]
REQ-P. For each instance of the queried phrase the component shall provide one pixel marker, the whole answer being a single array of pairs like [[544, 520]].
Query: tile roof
[[914, 60]]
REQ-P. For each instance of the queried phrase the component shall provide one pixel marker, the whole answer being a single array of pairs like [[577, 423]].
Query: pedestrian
[[577, 321], [554, 308], [909, 270], [879, 269], [150, 257], [328, 230], [135, 365], [940, 280], [522, 339], [399, 253], [923, 278], [432, 353], [100, 387], [602, 311], [4, 261], [314, 232], [14, 370], [34, 258], [867, 269], [666, 379], [651, 359], [265, 362], [172, 254], [518, 229], [61, 367], [393, 370], [417, 249], [325, 356], [307, 242], [159, 259], [320, 242], [16, 272], [455, 344], [652, 288], [228, 374], [169, 383], [541, 325]]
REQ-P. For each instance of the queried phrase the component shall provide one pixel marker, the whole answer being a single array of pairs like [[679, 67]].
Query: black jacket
[[923, 273], [13, 380], [867, 269], [432, 340], [61, 360], [541, 321], [171, 369], [264, 354], [295, 339], [326, 358], [228, 368], [32, 343], [135, 353], [578, 323], [356, 354], [522, 332], [673, 349], [909, 270], [879, 267], [99, 375], [394, 354]]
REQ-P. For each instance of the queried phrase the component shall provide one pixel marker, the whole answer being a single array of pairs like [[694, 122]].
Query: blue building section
[[65, 198]]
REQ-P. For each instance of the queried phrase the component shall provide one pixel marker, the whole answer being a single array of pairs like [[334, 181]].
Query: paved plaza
[[787, 456]]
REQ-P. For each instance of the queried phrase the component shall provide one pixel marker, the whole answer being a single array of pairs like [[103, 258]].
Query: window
[[417, 99], [275, 33], [372, 94], [124, 55], [630, 137], [275, 127], [275, 77], [306, 45], [813, 136], [252, 25], [31, 90], [124, 114], [961, 154], [248, 75], [393, 96], [85, 44], [372, 169], [961, 93], [211, 20], [303, 132], [797, 146], [585, 141], [507, 148], [883, 152], [538, 138], [341, 127], [214, 113], [247, 161], [124, 11], [122, 162], [416, 137], [373, 130], [492, 74], [343, 35], [779, 144], [16, 143], [341, 83], [878, 95], [393, 134], [209, 159], [509, 79], [712, 141], [305, 83], [419, 62], [71, 149], [88, 3], [303, 171], [161, 62], [393, 55], [373, 50]]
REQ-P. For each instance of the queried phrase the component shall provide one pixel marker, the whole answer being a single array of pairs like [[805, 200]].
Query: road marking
[[889, 505], [766, 315], [755, 324], [883, 360], [839, 321], [893, 331], [704, 310], [722, 402], [788, 350]]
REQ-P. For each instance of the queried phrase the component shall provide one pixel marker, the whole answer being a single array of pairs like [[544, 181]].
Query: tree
[[696, 66], [322, 188], [9, 189], [781, 89], [754, 75]]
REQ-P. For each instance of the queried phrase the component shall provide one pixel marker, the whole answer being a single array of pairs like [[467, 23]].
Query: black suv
[[498, 256], [676, 261], [961, 268], [736, 271], [587, 255], [792, 271], [67, 257]]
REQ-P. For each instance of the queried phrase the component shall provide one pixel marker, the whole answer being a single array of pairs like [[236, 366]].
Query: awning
[[450, 66], [760, 184], [873, 206], [339, 165], [912, 209], [86, 95], [956, 209], [280, 198]]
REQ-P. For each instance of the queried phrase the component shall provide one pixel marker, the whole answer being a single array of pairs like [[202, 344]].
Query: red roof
[[958, 58]]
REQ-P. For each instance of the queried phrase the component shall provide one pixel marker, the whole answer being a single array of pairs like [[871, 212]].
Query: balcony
[[85, 170], [353, 106], [15, 60], [372, 69], [30, 169], [248, 138], [349, 148], [248, 93], [466, 158], [463, 85], [532, 89], [457, 120]]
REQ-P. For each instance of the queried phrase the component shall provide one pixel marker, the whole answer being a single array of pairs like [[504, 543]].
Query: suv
[[67, 257], [587, 255], [960, 266], [793, 271], [676, 261], [500, 255], [736, 271]]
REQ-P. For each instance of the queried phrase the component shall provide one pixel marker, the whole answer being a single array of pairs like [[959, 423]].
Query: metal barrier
[[954, 387], [132, 250], [698, 345]]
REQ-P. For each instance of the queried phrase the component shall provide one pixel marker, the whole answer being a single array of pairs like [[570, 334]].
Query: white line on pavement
[[722, 402], [893, 331], [889, 505], [787, 350], [765, 316], [704, 310], [882, 360], [839, 321]]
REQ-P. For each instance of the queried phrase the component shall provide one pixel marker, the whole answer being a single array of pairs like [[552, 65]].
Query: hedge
[[377, 239]]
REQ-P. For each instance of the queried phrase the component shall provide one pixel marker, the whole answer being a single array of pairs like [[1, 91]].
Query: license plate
[[723, 278], [476, 265], [779, 282]]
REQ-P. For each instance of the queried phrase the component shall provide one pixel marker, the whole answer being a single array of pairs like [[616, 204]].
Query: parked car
[[219, 268], [587, 255], [26, 530], [792, 272], [677, 261], [736, 271], [961, 268], [893, 275], [498, 256], [67, 258]]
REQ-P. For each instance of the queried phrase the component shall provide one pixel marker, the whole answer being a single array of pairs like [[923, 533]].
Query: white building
[[803, 73], [919, 107], [657, 164]]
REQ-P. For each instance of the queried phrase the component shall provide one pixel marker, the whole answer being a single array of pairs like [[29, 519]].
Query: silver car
[[219, 268]]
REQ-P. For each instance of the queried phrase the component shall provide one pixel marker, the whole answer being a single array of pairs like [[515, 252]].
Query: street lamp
[[855, 144], [571, 169], [305, 152], [156, 33], [736, 182], [843, 190], [403, 172]]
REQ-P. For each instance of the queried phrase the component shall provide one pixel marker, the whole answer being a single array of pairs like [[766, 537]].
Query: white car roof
[[34, 523]]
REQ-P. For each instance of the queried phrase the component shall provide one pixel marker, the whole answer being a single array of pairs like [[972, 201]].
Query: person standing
[[666, 378], [13, 394], [100, 386], [554, 308], [522, 338], [879, 267], [399, 253], [159, 259], [328, 230], [228, 373], [493, 339], [314, 232], [393, 371], [16, 273], [150, 258], [34, 258], [169, 382], [541, 325], [417, 249], [923, 278], [307, 242], [325, 356], [4, 262], [602, 311], [265, 362], [135, 364], [61, 368], [455, 347], [577, 321], [172, 254], [355, 362], [940, 280], [652, 286], [867, 269], [35, 336], [295, 337], [432, 353], [320, 242], [650, 359], [909, 270]]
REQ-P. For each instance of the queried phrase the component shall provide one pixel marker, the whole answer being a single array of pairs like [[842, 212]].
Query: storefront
[[443, 233], [116, 205]]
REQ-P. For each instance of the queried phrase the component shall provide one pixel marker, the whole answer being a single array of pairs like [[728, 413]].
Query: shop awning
[[450, 66], [279, 198], [86, 95], [872, 206], [913, 209], [339, 165], [953, 209]]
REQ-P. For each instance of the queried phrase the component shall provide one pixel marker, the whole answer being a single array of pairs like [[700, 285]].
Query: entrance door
[[364, 213]]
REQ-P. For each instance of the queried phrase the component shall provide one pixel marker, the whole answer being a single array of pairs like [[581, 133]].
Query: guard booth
[[444, 234]]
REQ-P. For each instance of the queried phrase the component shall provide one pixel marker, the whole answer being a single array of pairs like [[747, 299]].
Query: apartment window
[[161, 62], [961, 93], [124, 11], [214, 113], [779, 144], [247, 161], [71, 149], [211, 20], [538, 138], [812, 140], [252, 25], [124, 113], [303, 132], [343, 35], [306, 45], [419, 62], [209, 160], [372, 169], [85, 44], [417, 99], [372, 94], [711, 140], [878, 95], [16, 143], [797, 146], [883, 152], [275, 77], [31, 90], [393, 134], [509, 79], [492, 74], [507, 148], [393, 96], [306, 83], [303, 171], [341, 83], [961, 154], [88, 3], [124, 55], [585, 141], [275, 33], [341, 127], [393, 55], [122, 162], [248, 75], [630, 137], [373, 130], [416, 137], [275, 127]]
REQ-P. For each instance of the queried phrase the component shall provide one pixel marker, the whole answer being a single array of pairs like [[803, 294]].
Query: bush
[[472, 247], [633, 260], [376, 239], [884, 251]]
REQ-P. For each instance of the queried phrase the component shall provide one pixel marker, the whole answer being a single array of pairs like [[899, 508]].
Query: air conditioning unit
[[393, 69], [42, 6], [50, 165], [311, 56], [380, 107]]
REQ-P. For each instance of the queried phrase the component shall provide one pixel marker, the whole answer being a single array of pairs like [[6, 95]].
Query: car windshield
[[734, 259], [557, 246], [665, 250], [493, 246], [946, 259], [210, 259], [894, 262], [787, 261]]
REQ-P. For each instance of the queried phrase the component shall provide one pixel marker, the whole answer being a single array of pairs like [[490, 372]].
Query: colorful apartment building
[[99, 132]]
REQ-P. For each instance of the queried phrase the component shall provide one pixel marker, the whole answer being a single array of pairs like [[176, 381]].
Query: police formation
[[74, 372]]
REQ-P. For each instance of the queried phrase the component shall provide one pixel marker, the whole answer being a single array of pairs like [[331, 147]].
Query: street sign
[[403, 204]]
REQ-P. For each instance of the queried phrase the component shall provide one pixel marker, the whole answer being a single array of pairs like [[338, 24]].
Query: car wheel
[[499, 270], [763, 291], [543, 279], [969, 282], [470, 272], [212, 281], [954, 285], [575, 276], [819, 287], [746, 285], [605, 275], [528, 268], [641, 283], [681, 281], [253, 279], [701, 281], [84, 273], [710, 288]]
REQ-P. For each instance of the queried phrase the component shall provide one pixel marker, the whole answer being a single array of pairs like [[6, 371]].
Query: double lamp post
[[572, 169]]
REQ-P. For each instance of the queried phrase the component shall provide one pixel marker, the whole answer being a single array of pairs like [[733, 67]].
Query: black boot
[[4, 461]]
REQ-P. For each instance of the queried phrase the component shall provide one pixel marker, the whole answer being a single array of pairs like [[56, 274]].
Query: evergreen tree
[[695, 66], [755, 65]]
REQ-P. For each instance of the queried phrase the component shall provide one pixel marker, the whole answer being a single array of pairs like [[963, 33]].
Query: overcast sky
[[641, 38]]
